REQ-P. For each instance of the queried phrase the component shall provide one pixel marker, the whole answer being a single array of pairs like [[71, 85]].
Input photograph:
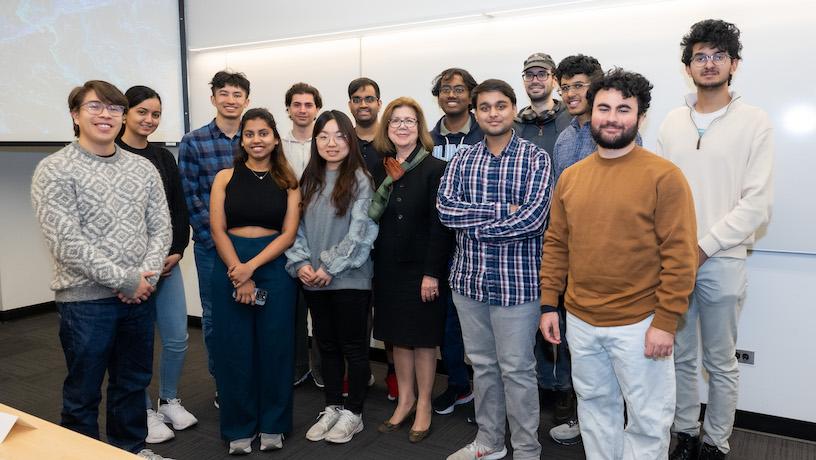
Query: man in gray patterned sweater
[[105, 219]]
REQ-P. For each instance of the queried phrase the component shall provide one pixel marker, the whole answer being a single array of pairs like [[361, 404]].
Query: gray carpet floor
[[32, 369]]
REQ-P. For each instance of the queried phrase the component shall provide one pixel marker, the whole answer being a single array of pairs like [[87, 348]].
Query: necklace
[[259, 177]]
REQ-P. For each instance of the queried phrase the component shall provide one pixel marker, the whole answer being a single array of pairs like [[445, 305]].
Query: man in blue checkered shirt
[[496, 195], [202, 153]]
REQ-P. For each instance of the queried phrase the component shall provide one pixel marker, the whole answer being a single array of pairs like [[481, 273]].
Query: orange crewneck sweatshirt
[[624, 231]]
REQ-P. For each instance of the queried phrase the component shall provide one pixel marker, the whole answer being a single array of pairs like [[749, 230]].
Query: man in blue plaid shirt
[[202, 153], [496, 195]]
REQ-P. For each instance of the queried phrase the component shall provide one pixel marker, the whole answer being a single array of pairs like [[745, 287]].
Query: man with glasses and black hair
[[364, 105], [455, 131], [725, 148], [106, 222], [545, 117]]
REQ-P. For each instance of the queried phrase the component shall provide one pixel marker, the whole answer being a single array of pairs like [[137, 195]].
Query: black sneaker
[[452, 397], [709, 452], [687, 447], [565, 407]]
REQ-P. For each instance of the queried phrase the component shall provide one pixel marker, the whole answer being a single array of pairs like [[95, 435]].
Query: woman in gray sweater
[[331, 258]]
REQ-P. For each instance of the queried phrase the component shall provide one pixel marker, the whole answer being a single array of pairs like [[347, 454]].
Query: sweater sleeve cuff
[[709, 245], [130, 284], [665, 321], [549, 297], [548, 309]]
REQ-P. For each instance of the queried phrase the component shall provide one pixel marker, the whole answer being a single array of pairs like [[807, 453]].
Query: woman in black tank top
[[254, 217]]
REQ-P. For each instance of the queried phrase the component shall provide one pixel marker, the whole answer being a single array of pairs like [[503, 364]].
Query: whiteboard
[[774, 74], [49, 47]]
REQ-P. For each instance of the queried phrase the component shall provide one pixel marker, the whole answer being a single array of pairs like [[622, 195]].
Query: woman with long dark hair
[[141, 120], [254, 218], [411, 257], [331, 258]]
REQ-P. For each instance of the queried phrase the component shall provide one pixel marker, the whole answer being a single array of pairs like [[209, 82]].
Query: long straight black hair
[[314, 176]]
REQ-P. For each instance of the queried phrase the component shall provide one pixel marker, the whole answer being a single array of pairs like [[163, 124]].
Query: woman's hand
[[306, 275], [246, 293], [170, 262], [240, 273], [321, 278], [429, 290]]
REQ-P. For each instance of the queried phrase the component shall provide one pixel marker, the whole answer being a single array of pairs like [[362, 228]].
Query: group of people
[[545, 244]]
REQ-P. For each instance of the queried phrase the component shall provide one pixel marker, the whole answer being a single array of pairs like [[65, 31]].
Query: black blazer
[[410, 230]]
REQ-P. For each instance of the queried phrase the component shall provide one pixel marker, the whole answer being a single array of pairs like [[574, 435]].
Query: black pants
[[340, 325]]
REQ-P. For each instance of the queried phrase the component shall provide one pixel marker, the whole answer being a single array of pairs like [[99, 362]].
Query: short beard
[[712, 85], [542, 98], [625, 138], [365, 123]]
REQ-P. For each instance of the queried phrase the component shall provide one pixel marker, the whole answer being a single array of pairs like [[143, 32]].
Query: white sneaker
[[347, 425], [150, 455], [325, 422], [176, 414], [476, 451], [273, 441], [567, 434], [157, 431], [241, 446], [371, 380]]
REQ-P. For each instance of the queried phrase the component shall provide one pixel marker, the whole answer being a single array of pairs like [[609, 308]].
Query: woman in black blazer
[[410, 259]]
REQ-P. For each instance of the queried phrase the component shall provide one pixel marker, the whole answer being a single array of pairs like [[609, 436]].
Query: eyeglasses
[[457, 90], [367, 99], [339, 138], [578, 87], [407, 122], [530, 76], [95, 108], [700, 60]]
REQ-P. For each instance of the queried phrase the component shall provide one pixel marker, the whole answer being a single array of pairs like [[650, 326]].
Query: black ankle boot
[[709, 452], [687, 447]]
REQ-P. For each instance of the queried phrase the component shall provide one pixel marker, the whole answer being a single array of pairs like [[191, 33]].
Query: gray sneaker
[[241, 446], [325, 422], [477, 451], [150, 455], [567, 434], [348, 424]]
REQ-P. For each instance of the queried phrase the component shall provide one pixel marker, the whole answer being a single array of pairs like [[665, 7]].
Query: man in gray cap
[[545, 117]]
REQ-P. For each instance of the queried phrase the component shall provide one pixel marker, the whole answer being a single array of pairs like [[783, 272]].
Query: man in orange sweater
[[622, 229]]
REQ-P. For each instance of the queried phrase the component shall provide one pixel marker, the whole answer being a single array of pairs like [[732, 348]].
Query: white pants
[[608, 367]]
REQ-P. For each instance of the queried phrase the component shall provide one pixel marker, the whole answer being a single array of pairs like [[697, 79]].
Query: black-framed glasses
[[339, 138], [700, 60], [95, 108], [577, 87], [457, 90], [367, 99], [407, 122], [541, 76]]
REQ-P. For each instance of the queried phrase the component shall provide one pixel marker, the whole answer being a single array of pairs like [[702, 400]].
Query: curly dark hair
[[447, 74], [578, 64], [715, 32], [628, 83]]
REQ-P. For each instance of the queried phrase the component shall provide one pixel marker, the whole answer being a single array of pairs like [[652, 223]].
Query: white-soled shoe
[[241, 446], [348, 424], [157, 431], [477, 451], [271, 441], [176, 414], [150, 455], [325, 422]]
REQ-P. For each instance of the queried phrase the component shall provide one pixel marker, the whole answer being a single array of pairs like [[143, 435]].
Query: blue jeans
[[107, 335], [205, 260], [553, 361], [171, 318], [453, 350]]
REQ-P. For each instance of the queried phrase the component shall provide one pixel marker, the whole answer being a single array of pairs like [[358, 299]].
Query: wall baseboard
[[754, 421]]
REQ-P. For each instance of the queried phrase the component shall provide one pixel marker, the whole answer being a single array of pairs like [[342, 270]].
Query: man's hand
[[306, 275], [701, 256], [142, 292], [170, 262], [659, 343], [549, 327]]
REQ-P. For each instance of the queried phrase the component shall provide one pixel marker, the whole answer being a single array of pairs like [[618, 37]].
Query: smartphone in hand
[[260, 296]]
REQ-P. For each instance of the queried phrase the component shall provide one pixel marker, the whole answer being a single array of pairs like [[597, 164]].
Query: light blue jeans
[[608, 367], [171, 318], [714, 305], [205, 260], [499, 343]]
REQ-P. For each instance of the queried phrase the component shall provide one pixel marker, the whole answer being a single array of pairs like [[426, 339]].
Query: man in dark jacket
[[457, 129], [545, 117]]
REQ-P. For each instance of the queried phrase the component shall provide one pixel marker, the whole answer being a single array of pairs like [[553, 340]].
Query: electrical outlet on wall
[[745, 357]]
